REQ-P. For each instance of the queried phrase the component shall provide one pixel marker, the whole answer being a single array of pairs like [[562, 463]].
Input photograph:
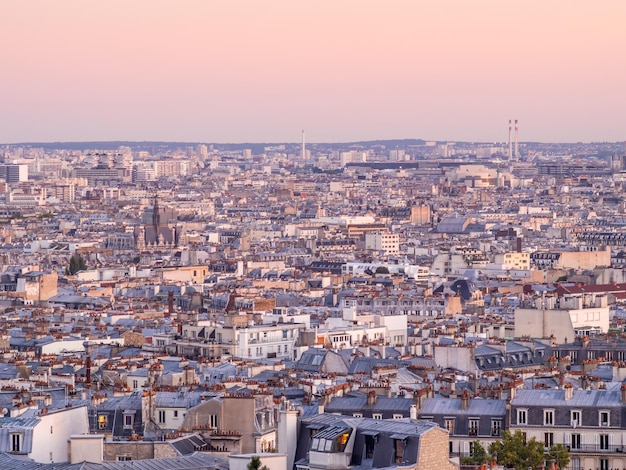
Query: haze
[[344, 70]]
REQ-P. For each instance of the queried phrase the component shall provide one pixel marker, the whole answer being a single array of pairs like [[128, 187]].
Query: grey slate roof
[[452, 406], [580, 398], [196, 461]]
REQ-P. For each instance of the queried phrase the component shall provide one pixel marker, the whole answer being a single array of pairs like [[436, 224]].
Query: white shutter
[[567, 440]]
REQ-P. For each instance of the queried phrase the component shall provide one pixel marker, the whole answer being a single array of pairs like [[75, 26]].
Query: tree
[[514, 451], [478, 454], [255, 463], [560, 455], [77, 263], [382, 270]]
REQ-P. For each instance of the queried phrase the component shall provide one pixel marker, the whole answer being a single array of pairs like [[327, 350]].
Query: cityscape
[[368, 304], [329, 235]]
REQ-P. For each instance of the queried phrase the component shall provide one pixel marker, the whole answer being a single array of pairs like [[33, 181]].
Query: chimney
[[170, 304], [516, 141], [569, 391], [371, 398], [622, 396], [465, 399], [413, 412]]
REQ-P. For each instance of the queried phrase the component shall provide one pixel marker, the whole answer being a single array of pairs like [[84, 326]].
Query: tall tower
[[510, 143], [303, 150], [516, 141], [156, 216]]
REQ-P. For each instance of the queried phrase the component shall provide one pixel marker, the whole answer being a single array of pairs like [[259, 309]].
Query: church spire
[[156, 216]]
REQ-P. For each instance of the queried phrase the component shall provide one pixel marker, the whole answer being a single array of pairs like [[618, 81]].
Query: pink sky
[[261, 70]]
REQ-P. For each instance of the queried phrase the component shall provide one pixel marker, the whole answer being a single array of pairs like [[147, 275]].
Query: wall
[[433, 451], [52, 434], [270, 460], [86, 448]]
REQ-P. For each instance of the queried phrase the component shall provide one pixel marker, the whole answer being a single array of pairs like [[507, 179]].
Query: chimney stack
[[371, 398], [622, 396], [516, 141], [465, 400], [170, 304], [569, 391]]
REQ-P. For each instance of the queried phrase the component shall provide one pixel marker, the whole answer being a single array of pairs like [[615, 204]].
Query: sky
[[343, 70]]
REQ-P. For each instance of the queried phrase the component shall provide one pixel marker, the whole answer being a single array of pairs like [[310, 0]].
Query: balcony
[[597, 448]]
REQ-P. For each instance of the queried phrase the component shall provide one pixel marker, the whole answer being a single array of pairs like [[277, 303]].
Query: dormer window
[[129, 419], [604, 418], [17, 439], [332, 439]]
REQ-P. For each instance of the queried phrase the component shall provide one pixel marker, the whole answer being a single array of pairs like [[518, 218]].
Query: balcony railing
[[597, 448]]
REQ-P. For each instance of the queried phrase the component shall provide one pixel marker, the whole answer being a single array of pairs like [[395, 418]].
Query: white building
[[383, 241]]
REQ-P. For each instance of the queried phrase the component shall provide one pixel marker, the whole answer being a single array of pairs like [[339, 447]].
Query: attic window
[[129, 419], [102, 421], [17, 439]]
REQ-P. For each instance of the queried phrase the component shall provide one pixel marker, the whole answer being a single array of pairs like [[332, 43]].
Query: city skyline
[[343, 71]]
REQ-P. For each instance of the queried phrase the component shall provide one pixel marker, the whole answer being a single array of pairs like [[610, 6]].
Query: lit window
[[102, 421]]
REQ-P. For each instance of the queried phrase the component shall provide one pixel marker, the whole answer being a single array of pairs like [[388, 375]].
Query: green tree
[[514, 451], [255, 463], [77, 263], [478, 454], [560, 455]]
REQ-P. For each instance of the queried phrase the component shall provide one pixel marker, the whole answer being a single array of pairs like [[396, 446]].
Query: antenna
[[510, 144], [303, 150]]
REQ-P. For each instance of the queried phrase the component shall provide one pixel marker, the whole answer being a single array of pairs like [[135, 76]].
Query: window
[[449, 425], [575, 442], [331, 440], [161, 416], [16, 442], [496, 426], [604, 418], [129, 420], [576, 463], [521, 416], [377, 416], [472, 428], [576, 418], [124, 458], [102, 421], [398, 450], [370, 442], [397, 416], [604, 464], [175, 413], [213, 421], [604, 441], [357, 415], [548, 417], [548, 439]]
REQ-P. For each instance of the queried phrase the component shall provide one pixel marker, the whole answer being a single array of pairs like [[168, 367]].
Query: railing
[[588, 448]]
